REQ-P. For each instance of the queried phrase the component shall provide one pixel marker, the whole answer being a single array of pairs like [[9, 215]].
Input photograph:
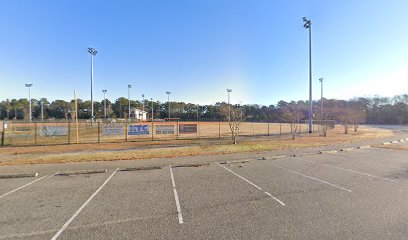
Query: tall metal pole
[[308, 25], [42, 111], [168, 101], [29, 85], [151, 99], [321, 98], [143, 102], [129, 86], [104, 103], [229, 90], [93, 52]]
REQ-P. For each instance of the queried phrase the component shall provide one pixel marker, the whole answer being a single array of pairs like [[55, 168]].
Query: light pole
[[308, 25], [29, 85], [168, 101], [151, 99], [129, 87], [42, 110], [321, 98], [229, 90], [93, 52], [104, 103], [143, 97]]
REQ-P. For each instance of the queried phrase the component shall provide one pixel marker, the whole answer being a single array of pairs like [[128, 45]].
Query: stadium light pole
[[93, 52], [104, 103], [229, 90], [143, 109], [29, 85], [168, 101], [151, 99], [321, 98], [308, 25], [129, 87]]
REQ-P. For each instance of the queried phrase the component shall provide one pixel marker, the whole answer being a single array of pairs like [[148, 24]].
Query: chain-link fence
[[52, 133]]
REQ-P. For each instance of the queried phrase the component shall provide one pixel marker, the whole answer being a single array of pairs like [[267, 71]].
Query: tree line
[[375, 110]]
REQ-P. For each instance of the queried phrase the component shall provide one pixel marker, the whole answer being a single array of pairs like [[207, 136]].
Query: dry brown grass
[[144, 150]]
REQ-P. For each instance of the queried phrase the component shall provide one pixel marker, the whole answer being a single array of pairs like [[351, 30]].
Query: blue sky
[[197, 49]]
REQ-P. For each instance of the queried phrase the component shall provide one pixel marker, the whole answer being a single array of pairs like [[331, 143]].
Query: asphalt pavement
[[356, 194]]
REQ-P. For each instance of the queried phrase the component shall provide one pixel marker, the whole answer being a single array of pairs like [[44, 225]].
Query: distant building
[[138, 114]]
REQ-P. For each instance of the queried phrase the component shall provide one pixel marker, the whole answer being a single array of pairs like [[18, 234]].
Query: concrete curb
[[364, 147], [140, 168], [235, 161], [348, 149], [386, 143], [327, 151], [303, 154], [191, 165], [69, 173], [272, 158], [19, 175], [395, 142]]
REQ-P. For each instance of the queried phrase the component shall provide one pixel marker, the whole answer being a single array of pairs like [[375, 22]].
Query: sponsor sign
[[112, 130], [188, 128], [47, 131], [165, 129], [22, 129], [138, 130]]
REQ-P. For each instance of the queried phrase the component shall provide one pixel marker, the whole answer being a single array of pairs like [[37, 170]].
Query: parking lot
[[360, 194]]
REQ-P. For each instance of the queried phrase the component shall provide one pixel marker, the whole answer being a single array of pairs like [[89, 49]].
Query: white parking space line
[[176, 198], [15, 190], [82, 207], [346, 170], [374, 163], [259, 188], [313, 178]]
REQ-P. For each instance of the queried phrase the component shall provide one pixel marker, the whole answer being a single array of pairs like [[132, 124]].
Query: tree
[[292, 113], [234, 116]]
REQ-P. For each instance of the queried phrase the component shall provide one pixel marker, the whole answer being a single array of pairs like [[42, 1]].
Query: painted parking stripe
[[313, 178], [15, 190], [176, 198], [347, 170], [374, 163], [82, 207], [259, 188]]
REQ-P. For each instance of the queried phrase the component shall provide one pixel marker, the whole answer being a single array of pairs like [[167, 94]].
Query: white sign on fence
[[165, 129], [47, 131], [111, 130], [138, 130]]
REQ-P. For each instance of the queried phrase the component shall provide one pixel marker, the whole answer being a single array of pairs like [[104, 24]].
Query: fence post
[[35, 133], [280, 129], [177, 129], [253, 132], [99, 132], [126, 131], [152, 129], [69, 132], [268, 128], [3, 134], [219, 129]]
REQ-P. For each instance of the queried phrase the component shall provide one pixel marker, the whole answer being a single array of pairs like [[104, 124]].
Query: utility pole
[[151, 99]]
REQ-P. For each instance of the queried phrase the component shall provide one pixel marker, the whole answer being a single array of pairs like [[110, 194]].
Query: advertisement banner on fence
[[165, 129], [112, 130], [48, 131], [188, 128], [138, 130]]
